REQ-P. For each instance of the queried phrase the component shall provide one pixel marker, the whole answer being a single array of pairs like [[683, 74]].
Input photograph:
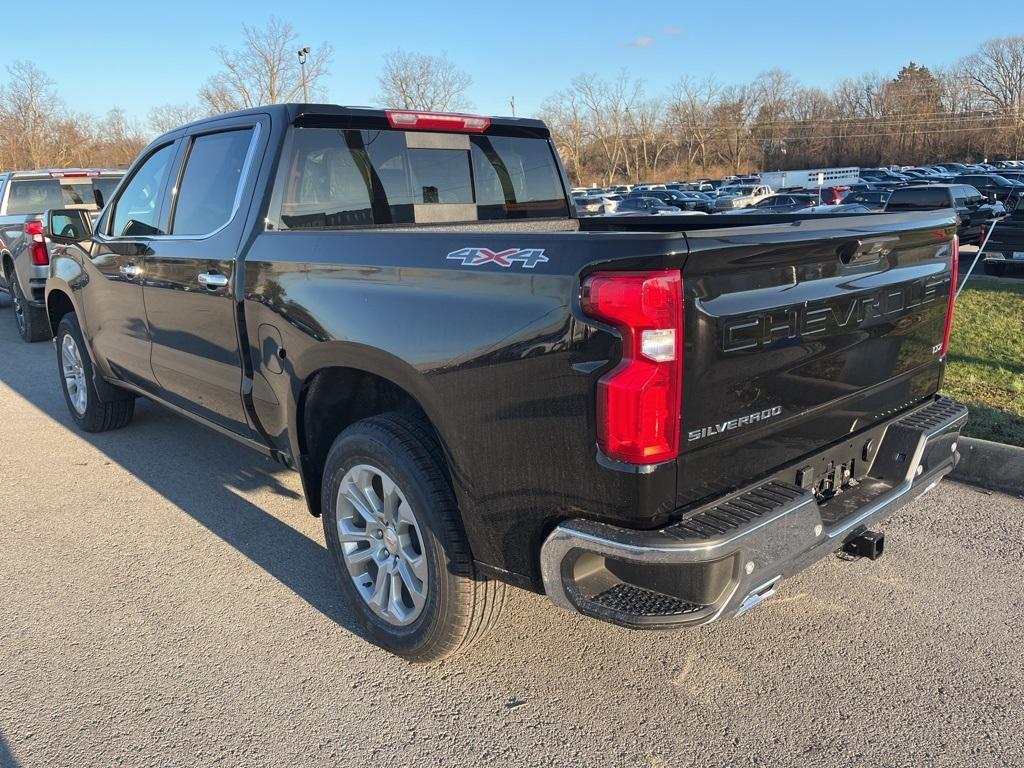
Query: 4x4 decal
[[475, 257]]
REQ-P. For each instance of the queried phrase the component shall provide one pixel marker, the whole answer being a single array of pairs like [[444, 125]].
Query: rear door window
[[209, 186], [349, 178]]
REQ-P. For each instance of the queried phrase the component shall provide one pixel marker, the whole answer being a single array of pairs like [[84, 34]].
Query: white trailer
[[812, 178]]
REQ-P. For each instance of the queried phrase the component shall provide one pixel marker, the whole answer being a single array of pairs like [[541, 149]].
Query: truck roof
[[364, 117], [62, 172]]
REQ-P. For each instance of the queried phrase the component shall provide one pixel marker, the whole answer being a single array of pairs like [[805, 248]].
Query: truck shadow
[[6, 758], [201, 472]]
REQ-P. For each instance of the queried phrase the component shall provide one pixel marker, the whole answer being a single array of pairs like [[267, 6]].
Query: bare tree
[[419, 81], [167, 117], [565, 118], [265, 70], [996, 73], [28, 106], [690, 104]]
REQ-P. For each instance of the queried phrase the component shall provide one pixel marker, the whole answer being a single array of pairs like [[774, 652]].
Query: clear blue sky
[[138, 55]]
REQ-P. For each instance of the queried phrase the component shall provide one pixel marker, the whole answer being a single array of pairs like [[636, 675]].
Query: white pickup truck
[[741, 196]]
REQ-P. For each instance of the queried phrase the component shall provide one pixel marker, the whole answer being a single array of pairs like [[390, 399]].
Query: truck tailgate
[[801, 334]]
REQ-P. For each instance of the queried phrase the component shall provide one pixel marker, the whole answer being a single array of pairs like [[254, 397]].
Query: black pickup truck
[[651, 420]]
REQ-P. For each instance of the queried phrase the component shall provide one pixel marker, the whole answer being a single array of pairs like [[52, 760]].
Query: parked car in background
[[699, 201], [588, 205], [995, 187], [636, 205], [684, 201], [24, 250], [836, 208], [974, 211], [871, 199], [1004, 252], [781, 203], [740, 196]]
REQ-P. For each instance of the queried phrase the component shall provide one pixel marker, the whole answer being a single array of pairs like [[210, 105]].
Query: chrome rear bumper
[[727, 556]]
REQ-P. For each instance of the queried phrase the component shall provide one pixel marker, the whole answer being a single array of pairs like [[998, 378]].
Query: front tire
[[393, 527], [76, 378], [33, 324]]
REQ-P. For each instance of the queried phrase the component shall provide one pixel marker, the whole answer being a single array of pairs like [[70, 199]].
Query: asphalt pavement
[[166, 600]]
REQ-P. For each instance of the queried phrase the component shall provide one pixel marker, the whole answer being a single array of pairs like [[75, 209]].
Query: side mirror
[[67, 225]]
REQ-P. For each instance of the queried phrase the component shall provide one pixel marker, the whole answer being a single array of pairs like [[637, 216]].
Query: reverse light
[[36, 243], [639, 401], [437, 121], [952, 296]]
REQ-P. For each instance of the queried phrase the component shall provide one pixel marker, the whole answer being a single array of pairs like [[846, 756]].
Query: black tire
[[97, 416], [32, 322], [992, 268], [461, 604]]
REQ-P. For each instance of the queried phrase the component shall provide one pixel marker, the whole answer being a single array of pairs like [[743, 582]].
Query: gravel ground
[[165, 599]]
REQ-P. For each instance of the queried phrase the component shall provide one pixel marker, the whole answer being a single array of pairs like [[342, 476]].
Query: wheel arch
[[58, 304], [332, 397]]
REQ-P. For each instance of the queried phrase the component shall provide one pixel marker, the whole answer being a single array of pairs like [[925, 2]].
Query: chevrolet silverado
[[652, 420]]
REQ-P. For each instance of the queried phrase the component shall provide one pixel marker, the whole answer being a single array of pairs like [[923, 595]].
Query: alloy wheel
[[382, 545], [19, 307], [74, 374]]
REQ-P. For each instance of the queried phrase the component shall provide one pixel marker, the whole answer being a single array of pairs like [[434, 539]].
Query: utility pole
[[512, 101], [303, 53]]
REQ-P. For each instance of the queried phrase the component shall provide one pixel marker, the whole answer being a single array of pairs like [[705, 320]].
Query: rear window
[[350, 178], [926, 198], [31, 196]]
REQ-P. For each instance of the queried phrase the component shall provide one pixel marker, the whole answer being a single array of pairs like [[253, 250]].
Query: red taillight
[[952, 295], [36, 243], [639, 401], [437, 121]]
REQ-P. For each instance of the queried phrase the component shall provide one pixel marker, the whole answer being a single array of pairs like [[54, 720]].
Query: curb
[[994, 466]]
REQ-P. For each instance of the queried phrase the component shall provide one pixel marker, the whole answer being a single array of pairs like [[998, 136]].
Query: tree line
[[610, 130], [607, 130]]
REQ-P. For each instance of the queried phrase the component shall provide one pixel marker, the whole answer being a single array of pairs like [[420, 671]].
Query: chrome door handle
[[213, 280], [130, 270]]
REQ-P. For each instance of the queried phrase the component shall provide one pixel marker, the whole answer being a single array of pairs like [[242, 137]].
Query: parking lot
[[167, 600]]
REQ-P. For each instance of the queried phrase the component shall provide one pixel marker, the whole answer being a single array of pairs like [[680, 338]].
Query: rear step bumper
[[727, 556]]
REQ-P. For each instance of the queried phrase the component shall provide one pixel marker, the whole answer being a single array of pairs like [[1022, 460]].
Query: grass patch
[[986, 359]]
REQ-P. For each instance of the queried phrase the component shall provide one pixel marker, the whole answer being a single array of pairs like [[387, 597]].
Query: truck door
[[190, 302], [115, 318]]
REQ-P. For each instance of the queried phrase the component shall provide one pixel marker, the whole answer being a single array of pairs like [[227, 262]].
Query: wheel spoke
[[359, 555], [404, 513], [418, 565], [347, 531], [380, 597], [390, 499], [357, 499], [414, 585], [397, 606]]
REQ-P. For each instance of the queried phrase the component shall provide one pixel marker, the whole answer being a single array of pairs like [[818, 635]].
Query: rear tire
[[76, 381], [440, 604], [996, 270], [33, 324]]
